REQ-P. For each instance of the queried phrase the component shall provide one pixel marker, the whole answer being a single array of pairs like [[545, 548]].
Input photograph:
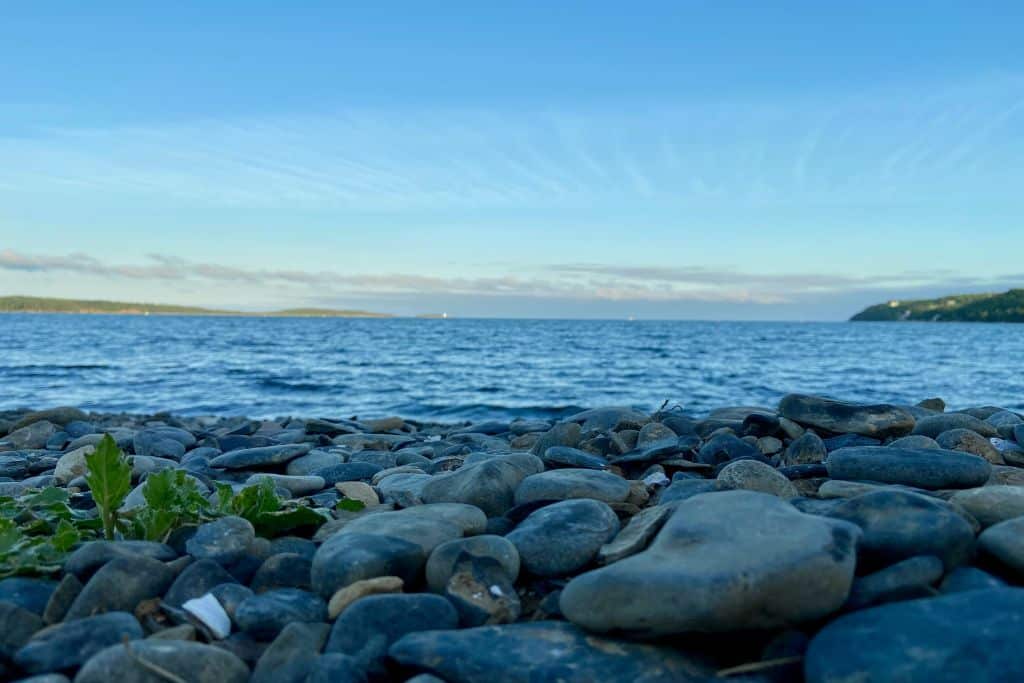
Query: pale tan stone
[[360, 589]]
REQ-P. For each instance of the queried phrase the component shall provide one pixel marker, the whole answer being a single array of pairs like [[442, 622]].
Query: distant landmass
[[31, 304], [1007, 307]]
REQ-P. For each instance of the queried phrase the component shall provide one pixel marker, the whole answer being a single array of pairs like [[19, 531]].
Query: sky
[[711, 160]]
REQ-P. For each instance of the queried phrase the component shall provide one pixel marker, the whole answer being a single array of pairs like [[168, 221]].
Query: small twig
[[153, 668], [759, 666]]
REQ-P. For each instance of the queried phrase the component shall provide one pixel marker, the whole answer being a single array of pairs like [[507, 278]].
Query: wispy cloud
[[584, 282]]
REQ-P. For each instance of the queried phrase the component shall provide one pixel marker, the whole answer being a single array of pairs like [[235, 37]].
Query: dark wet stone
[[964, 579], [796, 472], [195, 581], [264, 615], [187, 660], [31, 594], [17, 625], [564, 456], [284, 570], [926, 468], [13, 466], [659, 451], [904, 580], [489, 485], [779, 567], [482, 592], [934, 425], [61, 416], [542, 651], [293, 544], [63, 596], [561, 434], [92, 555], [347, 471], [969, 441], [120, 585], [1005, 542], [724, 448], [876, 421], [337, 668], [565, 484], [898, 525], [225, 541], [808, 449], [564, 537], [971, 636], [71, 643], [442, 561], [686, 488], [247, 458], [292, 655], [834, 443], [346, 558], [370, 625]]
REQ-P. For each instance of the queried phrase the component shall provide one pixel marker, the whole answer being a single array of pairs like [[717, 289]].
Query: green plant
[[173, 500], [37, 530], [261, 506], [110, 480]]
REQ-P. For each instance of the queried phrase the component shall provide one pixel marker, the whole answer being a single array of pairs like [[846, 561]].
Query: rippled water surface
[[473, 369]]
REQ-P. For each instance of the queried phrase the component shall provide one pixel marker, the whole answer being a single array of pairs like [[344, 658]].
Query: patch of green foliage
[[39, 528], [1007, 307]]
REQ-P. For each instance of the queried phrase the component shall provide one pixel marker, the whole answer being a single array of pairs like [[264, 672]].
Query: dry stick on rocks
[[150, 666], [759, 666]]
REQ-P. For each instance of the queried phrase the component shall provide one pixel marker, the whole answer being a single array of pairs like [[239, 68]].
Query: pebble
[[188, 661], [566, 484], [263, 616], [247, 458], [563, 537], [120, 585], [1005, 542], [751, 475], [925, 468], [71, 643], [442, 561], [344, 559], [224, 541], [877, 421], [380, 585], [489, 485]]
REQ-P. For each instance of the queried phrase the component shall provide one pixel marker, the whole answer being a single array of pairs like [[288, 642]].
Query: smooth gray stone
[[120, 585], [195, 581], [442, 561], [71, 643], [283, 570], [344, 559], [560, 434], [904, 580], [636, 535], [92, 555], [566, 484], [347, 471], [563, 537], [543, 651], [426, 532], [30, 593], [564, 456], [1005, 542], [706, 572], [972, 636], [337, 668], [992, 504], [296, 485], [260, 457], [877, 421], [188, 660], [914, 441], [964, 579], [898, 525], [751, 475], [313, 461], [292, 655], [926, 468], [263, 616], [225, 540], [489, 485], [808, 449], [17, 625], [967, 441], [935, 425]]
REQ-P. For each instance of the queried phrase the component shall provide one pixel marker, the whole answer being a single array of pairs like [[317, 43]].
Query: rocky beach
[[814, 540]]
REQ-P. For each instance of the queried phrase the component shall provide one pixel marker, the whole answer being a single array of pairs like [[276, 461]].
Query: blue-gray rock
[[13, 466], [705, 571], [442, 561], [195, 581], [225, 540], [248, 458], [967, 441], [263, 616], [898, 525], [284, 570], [561, 434], [726, 447], [926, 468], [564, 456], [347, 471], [914, 441], [346, 558], [964, 579], [1005, 542], [971, 636], [230, 596], [877, 421], [336, 668], [370, 625], [686, 488], [834, 443], [414, 525], [292, 655], [934, 425], [162, 443], [904, 580], [751, 475], [293, 544], [312, 461], [71, 643], [17, 625], [120, 585], [186, 660], [808, 449], [543, 651], [31, 437], [29, 593], [562, 538], [92, 555], [992, 504], [489, 485], [566, 484]]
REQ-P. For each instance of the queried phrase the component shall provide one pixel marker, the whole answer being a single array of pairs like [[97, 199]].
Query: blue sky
[[792, 160]]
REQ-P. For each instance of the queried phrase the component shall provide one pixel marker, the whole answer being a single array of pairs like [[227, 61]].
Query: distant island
[[1007, 307], [31, 304]]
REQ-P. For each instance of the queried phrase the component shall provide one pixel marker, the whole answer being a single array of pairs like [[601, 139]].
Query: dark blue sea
[[450, 370]]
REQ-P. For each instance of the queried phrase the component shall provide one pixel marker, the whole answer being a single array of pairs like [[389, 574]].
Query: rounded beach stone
[[877, 421], [188, 661], [926, 468], [567, 484], [344, 559], [1005, 542], [442, 561], [706, 572], [380, 585], [69, 644], [968, 441], [992, 504], [489, 485], [751, 475], [224, 540], [935, 425], [563, 537]]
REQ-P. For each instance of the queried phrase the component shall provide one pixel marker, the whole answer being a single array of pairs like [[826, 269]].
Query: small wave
[[56, 367], [288, 385]]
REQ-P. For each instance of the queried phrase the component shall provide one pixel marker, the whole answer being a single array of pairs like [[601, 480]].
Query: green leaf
[[270, 524], [349, 505], [110, 480], [66, 536]]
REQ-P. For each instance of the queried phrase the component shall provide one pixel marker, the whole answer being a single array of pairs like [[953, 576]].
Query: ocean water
[[450, 370]]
